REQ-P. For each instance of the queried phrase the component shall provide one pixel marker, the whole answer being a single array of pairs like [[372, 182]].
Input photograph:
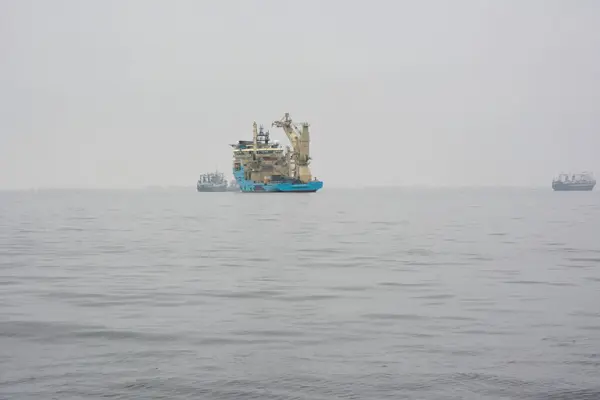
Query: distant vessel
[[574, 182], [260, 165], [212, 182]]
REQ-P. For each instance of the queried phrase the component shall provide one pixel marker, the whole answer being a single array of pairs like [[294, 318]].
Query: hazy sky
[[129, 93]]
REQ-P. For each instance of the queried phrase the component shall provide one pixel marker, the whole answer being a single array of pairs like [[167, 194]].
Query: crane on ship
[[300, 140]]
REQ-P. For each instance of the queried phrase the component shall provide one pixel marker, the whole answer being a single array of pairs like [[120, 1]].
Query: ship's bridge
[[263, 151]]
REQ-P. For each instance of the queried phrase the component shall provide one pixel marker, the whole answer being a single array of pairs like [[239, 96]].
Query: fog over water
[[134, 93]]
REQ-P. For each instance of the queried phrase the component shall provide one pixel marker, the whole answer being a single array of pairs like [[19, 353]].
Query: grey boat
[[212, 182], [583, 181]]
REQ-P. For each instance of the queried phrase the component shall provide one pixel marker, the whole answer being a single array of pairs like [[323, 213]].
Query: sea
[[381, 293]]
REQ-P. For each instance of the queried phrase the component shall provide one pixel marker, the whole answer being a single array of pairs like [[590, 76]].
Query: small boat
[[583, 181], [212, 182]]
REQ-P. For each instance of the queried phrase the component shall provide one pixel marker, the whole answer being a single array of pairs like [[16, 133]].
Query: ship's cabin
[[262, 137]]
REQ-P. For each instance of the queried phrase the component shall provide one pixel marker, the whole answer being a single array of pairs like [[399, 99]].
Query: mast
[[254, 136]]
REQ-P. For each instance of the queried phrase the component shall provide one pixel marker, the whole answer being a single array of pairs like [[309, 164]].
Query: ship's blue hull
[[248, 186]]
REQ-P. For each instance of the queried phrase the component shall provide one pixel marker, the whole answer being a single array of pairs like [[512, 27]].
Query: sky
[[135, 93]]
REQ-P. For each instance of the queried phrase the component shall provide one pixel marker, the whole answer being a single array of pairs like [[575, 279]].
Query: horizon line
[[184, 187]]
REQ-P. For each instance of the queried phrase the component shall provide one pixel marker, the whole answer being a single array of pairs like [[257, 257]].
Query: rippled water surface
[[381, 294]]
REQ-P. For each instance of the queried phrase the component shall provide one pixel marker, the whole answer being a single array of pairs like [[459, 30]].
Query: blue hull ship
[[263, 166], [281, 186]]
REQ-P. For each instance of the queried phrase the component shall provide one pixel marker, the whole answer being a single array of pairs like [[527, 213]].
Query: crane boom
[[300, 141], [290, 130]]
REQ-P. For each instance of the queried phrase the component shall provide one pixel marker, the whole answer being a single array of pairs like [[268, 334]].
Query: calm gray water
[[381, 294]]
